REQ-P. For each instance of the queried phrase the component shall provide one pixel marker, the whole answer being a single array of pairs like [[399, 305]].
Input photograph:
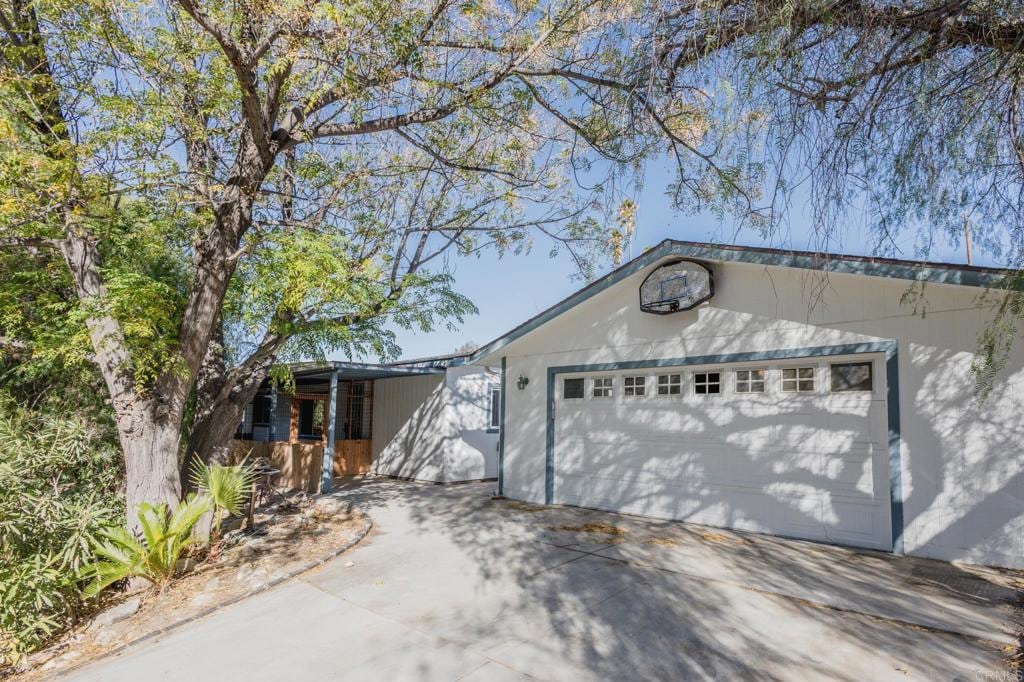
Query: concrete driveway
[[452, 585]]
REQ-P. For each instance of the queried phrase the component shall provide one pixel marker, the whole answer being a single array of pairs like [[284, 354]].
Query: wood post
[[293, 427]]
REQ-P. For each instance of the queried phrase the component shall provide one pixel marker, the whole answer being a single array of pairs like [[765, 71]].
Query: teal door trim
[[501, 430], [892, 406]]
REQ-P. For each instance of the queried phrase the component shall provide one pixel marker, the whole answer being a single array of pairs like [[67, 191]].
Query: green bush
[[60, 477], [153, 556], [227, 487]]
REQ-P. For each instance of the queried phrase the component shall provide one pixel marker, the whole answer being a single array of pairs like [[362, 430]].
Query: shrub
[[226, 485], [155, 555], [60, 476]]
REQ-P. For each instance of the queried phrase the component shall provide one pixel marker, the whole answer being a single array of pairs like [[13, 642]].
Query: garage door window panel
[[707, 383], [798, 380], [849, 377], [634, 387], [750, 380], [603, 387], [572, 389], [670, 384]]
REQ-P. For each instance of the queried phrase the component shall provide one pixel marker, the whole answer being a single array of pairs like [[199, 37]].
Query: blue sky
[[510, 290]]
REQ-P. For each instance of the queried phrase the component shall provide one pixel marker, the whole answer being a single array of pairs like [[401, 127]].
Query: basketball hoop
[[675, 287]]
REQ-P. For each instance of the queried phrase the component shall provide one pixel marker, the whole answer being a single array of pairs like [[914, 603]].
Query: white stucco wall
[[474, 451], [962, 463], [434, 428]]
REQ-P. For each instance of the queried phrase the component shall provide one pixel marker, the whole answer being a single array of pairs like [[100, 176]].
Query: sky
[[508, 291]]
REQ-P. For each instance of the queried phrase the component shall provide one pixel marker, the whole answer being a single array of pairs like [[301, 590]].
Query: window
[[750, 381], [851, 376], [572, 389], [603, 387], [494, 407], [798, 380], [634, 386], [311, 418], [669, 384], [261, 410], [358, 411], [707, 383]]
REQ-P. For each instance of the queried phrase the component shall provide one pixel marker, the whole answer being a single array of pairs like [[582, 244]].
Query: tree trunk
[[211, 436], [150, 447], [222, 396]]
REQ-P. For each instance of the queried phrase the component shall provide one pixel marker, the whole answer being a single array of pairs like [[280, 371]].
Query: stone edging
[[360, 534]]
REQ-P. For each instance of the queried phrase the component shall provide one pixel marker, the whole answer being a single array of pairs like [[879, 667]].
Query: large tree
[[304, 167], [903, 119]]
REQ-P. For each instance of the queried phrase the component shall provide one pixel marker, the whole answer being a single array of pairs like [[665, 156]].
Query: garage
[[796, 448], [810, 395]]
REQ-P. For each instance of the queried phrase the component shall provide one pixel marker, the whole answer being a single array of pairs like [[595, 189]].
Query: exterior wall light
[[521, 382]]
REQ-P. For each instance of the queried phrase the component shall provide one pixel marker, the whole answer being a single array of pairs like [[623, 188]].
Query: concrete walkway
[[451, 585]]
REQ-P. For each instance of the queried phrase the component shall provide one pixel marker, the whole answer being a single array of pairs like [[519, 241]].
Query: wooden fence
[[300, 463]]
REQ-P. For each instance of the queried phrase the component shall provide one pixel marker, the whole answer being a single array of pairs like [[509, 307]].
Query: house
[[432, 419], [807, 395]]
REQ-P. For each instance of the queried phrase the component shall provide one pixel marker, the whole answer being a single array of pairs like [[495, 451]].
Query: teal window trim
[[889, 348], [491, 388], [501, 430]]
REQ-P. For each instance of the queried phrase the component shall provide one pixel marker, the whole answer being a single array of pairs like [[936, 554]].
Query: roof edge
[[314, 367]]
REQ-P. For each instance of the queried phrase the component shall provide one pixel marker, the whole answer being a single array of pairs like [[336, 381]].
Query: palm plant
[[154, 556], [226, 486]]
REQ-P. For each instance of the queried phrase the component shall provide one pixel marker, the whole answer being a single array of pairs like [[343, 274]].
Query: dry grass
[[723, 539], [523, 506], [662, 542], [600, 528]]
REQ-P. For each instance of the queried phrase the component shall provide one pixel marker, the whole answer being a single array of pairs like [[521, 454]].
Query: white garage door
[[796, 448]]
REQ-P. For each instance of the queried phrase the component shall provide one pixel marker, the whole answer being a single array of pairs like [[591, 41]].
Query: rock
[[61, 661], [137, 586], [108, 636], [37, 659], [349, 564], [255, 578], [252, 548], [232, 537], [116, 614]]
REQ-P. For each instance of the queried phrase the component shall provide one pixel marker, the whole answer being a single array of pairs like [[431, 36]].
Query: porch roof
[[359, 371]]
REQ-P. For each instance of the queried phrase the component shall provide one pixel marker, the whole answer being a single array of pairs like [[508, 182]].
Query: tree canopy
[[230, 183], [900, 118]]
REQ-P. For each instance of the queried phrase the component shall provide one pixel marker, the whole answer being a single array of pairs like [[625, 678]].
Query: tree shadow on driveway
[[531, 593]]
